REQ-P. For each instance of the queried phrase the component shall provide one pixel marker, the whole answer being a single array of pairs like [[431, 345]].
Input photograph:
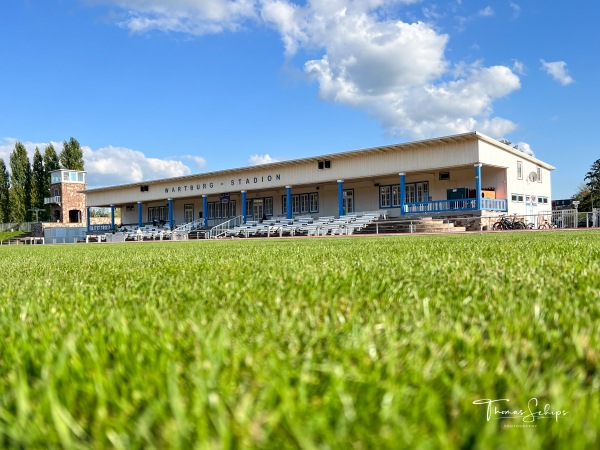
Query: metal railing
[[52, 200], [465, 204], [198, 223], [220, 229], [16, 226]]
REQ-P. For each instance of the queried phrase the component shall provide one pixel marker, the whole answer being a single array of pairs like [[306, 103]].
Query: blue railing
[[465, 204]]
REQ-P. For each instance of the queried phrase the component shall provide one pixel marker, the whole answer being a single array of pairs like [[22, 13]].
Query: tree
[[38, 184], [592, 179], [509, 143], [20, 182], [51, 161], [71, 156], [583, 197], [4, 192]]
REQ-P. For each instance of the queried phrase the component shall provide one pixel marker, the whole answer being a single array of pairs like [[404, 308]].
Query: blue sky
[[155, 89]]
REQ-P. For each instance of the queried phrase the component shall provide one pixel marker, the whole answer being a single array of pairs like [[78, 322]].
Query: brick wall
[[71, 200]]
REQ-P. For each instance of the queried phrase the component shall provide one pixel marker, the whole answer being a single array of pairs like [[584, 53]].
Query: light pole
[[36, 211], [576, 205]]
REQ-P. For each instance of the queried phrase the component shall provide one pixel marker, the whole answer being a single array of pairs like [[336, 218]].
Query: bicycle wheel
[[498, 226]]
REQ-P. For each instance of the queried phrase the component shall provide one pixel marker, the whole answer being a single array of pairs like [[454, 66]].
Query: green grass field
[[342, 343], [9, 234]]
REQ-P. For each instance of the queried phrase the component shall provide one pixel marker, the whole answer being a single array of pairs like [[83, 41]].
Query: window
[[543, 200], [314, 202], [444, 176], [158, 213], [232, 208], [410, 193], [519, 170], [268, 203], [389, 196], [301, 203], [188, 213], [304, 205], [539, 174], [396, 195], [261, 206], [516, 197], [422, 192], [384, 197]]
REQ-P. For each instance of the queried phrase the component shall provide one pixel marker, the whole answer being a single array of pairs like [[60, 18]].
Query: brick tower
[[67, 202]]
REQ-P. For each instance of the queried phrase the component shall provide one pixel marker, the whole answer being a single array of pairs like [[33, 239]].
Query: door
[[348, 201], [531, 208], [258, 209], [188, 213]]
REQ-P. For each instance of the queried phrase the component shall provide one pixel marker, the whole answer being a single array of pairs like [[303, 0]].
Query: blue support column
[[402, 193], [288, 194], [340, 197], [140, 215], [89, 223], [205, 209], [244, 212], [171, 220], [112, 217], [478, 186]]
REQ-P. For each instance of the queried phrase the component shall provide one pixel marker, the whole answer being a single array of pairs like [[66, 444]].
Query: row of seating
[[145, 233], [305, 226]]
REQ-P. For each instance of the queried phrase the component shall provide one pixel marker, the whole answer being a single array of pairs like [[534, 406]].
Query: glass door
[[258, 209], [348, 201], [188, 213]]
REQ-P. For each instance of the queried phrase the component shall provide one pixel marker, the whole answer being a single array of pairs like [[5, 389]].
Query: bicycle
[[503, 224]]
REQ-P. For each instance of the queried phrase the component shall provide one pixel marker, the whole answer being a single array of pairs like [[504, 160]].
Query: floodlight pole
[[36, 211]]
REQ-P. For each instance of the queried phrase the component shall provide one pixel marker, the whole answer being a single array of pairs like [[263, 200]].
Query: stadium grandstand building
[[462, 175]]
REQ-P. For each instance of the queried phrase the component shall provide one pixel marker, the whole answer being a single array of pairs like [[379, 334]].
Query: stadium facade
[[461, 175]]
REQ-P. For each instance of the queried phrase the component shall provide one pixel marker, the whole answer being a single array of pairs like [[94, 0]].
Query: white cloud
[[558, 71], [256, 160], [197, 17], [369, 59], [525, 148], [199, 161], [518, 67], [516, 10], [414, 90], [7, 146], [110, 165], [486, 12]]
